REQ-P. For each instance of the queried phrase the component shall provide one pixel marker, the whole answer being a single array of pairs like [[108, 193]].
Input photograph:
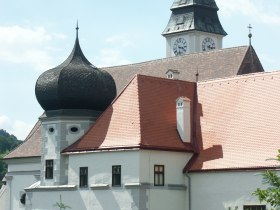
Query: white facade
[[21, 174], [57, 134], [224, 190], [137, 190], [207, 190]]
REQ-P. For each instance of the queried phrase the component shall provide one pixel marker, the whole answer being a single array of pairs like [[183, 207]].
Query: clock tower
[[194, 26]]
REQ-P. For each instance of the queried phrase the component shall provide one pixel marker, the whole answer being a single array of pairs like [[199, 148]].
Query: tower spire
[[250, 34], [77, 30]]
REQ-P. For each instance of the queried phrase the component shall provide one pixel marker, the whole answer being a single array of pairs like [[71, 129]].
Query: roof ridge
[[36, 127], [162, 78], [237, 77], [175, 58]]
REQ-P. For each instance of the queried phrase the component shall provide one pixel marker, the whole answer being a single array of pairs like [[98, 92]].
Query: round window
[[51, 129], [74, 129]]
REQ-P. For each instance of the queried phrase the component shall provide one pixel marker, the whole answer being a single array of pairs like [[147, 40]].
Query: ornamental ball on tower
[[75, 84]]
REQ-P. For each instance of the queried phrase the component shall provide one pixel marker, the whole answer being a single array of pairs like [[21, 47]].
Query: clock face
[[180, 46], [208, 44]]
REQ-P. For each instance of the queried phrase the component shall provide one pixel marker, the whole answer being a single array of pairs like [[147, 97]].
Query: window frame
[[159, 175], [49, 169], [254, 207], [116, 176], [83, 181]]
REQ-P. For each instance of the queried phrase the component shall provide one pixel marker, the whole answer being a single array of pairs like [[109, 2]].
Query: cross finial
[[77, 30], [250, 33]]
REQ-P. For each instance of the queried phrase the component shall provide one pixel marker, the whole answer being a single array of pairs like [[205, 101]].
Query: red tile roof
[[142, 116], [30, 147], [238, 123]]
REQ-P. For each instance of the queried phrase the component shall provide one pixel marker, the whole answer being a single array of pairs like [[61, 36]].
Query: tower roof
[[75, 84], [200, 15], [184, 3]]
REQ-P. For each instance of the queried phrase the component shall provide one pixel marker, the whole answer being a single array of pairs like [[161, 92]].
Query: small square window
[[116, 175], [170, 76], [83, 176], [254, 207], [49, 169], [159, 175]]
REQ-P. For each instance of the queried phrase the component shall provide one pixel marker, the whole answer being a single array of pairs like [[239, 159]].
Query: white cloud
[[24, 45], [18, 128], [258, 10]]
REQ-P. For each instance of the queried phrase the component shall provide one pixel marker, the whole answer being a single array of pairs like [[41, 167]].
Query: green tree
[[271, 194], [7, 143]]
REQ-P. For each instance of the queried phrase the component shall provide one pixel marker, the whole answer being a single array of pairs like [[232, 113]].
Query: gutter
[[189, 191]]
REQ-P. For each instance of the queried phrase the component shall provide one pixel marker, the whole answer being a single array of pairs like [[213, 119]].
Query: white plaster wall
[[164, 198], [137, 166], [100, 172], [115, 199], [174, 163], [221, 190], [21, 174], [167, 199], [3, 198], [24, 166], [100, 166]]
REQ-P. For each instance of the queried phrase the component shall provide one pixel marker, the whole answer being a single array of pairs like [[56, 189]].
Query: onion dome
[[75, 84]]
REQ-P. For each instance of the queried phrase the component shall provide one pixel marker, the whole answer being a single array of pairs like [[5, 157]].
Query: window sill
[[137, 185], [99, 186], [51, 188]]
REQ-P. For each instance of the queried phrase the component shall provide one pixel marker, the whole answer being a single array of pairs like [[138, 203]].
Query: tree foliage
[[7, 143], [271, 194]]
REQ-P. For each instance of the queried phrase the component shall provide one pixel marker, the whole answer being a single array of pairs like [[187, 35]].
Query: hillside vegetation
[[7, 143]]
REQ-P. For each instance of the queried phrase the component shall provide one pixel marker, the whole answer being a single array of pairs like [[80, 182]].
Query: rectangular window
[[254, 207], [159, 175], [83, 176], [49, 169], [116, 175]]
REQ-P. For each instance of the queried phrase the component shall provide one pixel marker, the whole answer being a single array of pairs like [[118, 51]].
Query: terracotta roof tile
[[30, 147], [238, 121], [143, 116]]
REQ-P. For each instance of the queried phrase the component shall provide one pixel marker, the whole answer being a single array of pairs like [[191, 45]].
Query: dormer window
[[172, 74], [180, 20], [183, 1], [180, 104]]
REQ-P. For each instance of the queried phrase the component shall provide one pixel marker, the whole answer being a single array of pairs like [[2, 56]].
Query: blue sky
[[36, 35]]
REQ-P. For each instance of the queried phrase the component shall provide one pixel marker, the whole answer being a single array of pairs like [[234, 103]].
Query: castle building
[[186, 132]]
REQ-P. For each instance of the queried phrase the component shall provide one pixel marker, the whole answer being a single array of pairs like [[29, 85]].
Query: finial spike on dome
[[250, 34], [77, 30]]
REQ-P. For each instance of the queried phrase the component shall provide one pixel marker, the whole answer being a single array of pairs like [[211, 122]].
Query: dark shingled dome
[[75, 84]]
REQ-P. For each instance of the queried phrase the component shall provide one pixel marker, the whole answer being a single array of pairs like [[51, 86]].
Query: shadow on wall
[[107, 199]]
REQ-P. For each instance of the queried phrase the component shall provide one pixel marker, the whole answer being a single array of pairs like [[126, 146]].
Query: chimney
[[183, 116], [172, 74]]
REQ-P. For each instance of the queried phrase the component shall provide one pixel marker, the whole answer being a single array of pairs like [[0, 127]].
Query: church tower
[[194, 26], [73, 95]]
